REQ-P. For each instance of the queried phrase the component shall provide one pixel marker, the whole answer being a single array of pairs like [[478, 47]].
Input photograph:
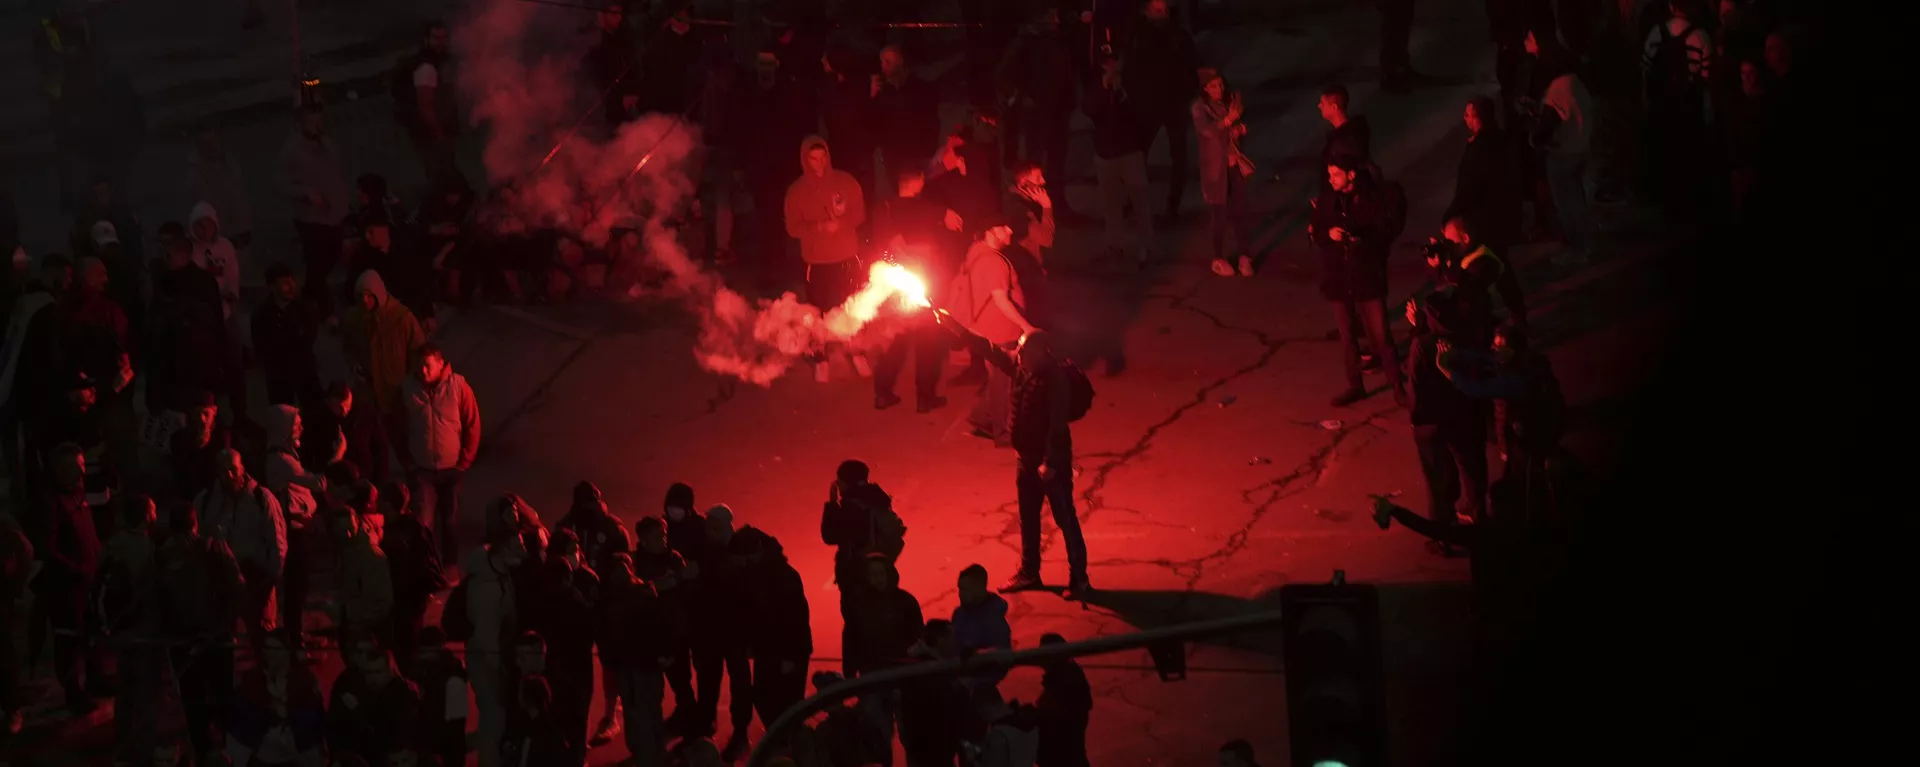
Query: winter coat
[[906, 118], [629, 618], [366, 584], [848, 526], [1065, 704], [881, 626], [283, 337], [366, 438], [777, 621], [1487, 188], [250, 522], [1160, 67], [310, 167], [1118, 124], [281, 469], [1218, 152], [218, 180], [491, 601], [370, 723], [1355, 270], [443, 422], [601, 536], [216, 255], [380, 342], [253, 714], [815, 200]]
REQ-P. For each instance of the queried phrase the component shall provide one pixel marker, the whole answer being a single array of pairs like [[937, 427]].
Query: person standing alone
[[824, 211], [443, 434]]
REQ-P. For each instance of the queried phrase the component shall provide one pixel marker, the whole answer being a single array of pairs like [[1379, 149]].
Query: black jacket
[[848, 527], [777, 623], [1116, 117], [1038, 424], [1066, 702], [283, 337], [601, 536], [1038, 67], [1353, 140], [368, 448], [1487, 189], [378, 723], [907, 119], [1355, 270], [1160, 66], [881, 626], [630, 617]]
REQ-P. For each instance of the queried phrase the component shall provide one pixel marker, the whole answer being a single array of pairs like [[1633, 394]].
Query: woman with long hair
[[1224, 169]]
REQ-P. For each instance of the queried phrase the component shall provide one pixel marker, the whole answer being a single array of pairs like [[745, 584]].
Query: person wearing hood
[[214, 252], [212, 175], [187, 334], [443, 435], [779, 628], [238, 510], [298, 492], [492, 608], [768, 116], [312, 179], [721, 642], [980, 622], [824, 211], [601, 535], [1065, 706], [854, 522], [380, 336], [686, 528]]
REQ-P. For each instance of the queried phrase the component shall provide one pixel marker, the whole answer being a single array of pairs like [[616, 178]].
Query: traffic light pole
[[995, 661]]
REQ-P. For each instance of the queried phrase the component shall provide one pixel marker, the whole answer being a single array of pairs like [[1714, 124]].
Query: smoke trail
[[518, 66]]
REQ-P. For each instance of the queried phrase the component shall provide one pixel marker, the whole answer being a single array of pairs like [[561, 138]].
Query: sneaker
[[1222, 268], [608, 729], [860, 366], [822, 372], [1021, 581], [737, 748], [1246, 266], [930, 405], [1079, 589], [1348, 397], [884, 401], [1462, 518]]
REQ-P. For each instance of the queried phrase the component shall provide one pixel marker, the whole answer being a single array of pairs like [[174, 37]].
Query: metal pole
[[993, 661]]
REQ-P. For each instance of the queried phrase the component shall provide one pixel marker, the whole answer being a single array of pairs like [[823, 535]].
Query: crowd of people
[[192, 583]]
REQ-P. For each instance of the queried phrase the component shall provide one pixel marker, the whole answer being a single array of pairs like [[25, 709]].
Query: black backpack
[[1670, 79], [1079, 391]]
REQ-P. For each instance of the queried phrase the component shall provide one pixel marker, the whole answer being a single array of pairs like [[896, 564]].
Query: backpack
[[454, 618], [1670, 80], [1079, 391], [886, 531]]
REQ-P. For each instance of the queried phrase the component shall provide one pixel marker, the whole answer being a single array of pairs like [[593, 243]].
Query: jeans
[[709, 659], [439, 490], [1372, 318], [640, 689], [777, 689], [487, 676], [1453, 457], [205, 677], [990, 411], [1567, 182], [928, 348], [1223, 219], [1055, 490], [1123, 182]]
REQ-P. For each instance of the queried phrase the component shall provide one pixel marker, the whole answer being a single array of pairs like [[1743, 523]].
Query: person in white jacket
[[443, 435], [215, 253], [241, 512]]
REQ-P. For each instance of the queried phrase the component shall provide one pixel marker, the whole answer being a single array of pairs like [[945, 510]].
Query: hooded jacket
[[777, 622], [848, 526], [218, 180], [380, 341], [217, 256], [250, 522], [686, 535], [881, 625], [281, 467], [601, 536], [443, 422], [815, 200]]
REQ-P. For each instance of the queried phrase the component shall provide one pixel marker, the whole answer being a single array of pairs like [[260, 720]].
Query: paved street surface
[[1212, 472]]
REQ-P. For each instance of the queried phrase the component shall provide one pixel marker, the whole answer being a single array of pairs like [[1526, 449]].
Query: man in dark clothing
[[284, 329], [881, 624], [686, 528], [911, 231], [601, 536], [965, 179], [1065, 704], [769, 116], [778, 624], [847, 106], [442, 680], [851, 523], [70, 549], [1487, 190], [1396, 32], [933, 711], [189, 336], [1349, 136], [200, 597], [657, 564], [1479, 273], [635, 650], [1529, 411], [373, 710], [567, 621], [192, 449], [613, 66], [1351, 229], [39, 353], [720, 639], [670, 55], [1161, 78], [1449, 428], [1042, 437], [1037, 86], [344, 430], [1120, 143], [906, 111], [414, 562]]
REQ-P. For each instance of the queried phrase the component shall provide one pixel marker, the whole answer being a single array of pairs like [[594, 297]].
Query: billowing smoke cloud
[[529, 100]]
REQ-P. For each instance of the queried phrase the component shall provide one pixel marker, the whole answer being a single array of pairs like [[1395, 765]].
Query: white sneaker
[[1222, 268], [822, 372], [860, 366], [1246, 266]]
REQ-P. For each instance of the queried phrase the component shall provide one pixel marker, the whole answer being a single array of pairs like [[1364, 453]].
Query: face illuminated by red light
[[1472, 118], [892, 62], [817, 162], [1341, 180], [1216, 89]]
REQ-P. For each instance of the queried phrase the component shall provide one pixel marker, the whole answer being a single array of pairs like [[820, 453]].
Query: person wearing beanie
[[686, 528], [719, 621], [601, 535]]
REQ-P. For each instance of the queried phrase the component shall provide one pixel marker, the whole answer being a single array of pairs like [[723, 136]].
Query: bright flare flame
[[912, 290], [884, 281]]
